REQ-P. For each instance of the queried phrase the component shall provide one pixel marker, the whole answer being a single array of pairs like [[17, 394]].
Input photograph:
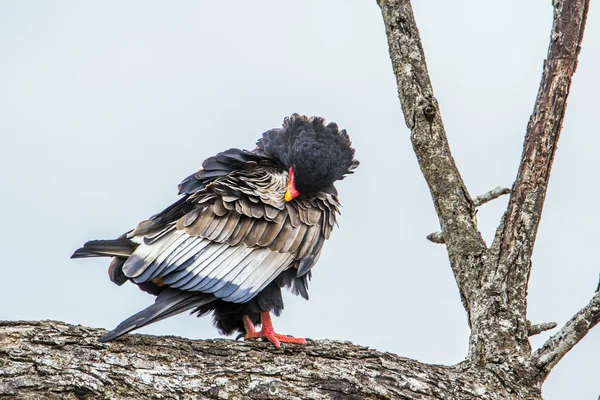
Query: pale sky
[[106, 106]]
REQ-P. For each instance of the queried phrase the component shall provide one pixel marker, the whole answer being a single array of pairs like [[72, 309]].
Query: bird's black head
[[316, 154]]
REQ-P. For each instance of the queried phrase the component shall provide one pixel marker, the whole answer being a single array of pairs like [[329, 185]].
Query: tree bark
[[493, 280], [54, 360]]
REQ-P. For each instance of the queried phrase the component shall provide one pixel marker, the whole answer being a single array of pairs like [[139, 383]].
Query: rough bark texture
[[500, 318], [493, 281], [438, 237], [55, 360], [561, 343], [453, 204]]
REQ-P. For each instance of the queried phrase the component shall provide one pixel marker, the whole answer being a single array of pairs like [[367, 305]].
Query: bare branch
[[562, 342], [543, 132], [489, 196], [438, 237], [493, 283], [536, 329], [453, 204], [506, 276]]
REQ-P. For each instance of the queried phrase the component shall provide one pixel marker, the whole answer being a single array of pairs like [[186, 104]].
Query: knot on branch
[[429, 112]]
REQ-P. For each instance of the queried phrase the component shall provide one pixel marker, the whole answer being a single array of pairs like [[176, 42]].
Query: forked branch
[[493, 283]]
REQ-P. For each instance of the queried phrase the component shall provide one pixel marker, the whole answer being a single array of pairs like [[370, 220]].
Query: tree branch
[[543, 132], [489, 196], [453, 204], [536, 329], [506, 275], [54, 360], [562, 342]]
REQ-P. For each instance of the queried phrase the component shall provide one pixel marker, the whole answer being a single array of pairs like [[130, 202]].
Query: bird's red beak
[[291, 191]]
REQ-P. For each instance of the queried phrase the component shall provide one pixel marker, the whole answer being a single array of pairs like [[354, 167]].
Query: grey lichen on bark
[[536, 329], [507, 273], [546, 357], [54, 360], [453, 204], [493, 281]]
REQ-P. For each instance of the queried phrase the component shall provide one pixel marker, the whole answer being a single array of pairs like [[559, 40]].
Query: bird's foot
[[267, 332], [275, 338]]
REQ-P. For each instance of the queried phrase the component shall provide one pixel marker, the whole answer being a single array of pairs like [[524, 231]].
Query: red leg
[[267, 331]]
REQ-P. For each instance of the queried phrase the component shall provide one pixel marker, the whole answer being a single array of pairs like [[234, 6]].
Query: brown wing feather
[[270, 233], [247, 209], [253, 236], [233, 219], [241, 230]]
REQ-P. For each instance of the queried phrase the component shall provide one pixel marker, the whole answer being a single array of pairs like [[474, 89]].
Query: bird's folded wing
[[233, 242], [196, 264]]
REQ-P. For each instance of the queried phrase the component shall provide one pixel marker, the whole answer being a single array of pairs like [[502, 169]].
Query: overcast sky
[[106, 106]]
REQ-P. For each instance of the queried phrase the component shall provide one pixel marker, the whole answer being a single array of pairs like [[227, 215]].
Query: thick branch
[[453, 204], [543, 132], [562, 342], [502, 315], [53, 360]]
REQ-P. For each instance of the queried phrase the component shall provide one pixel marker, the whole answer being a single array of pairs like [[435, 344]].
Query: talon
[[240, 336], [267, 332]]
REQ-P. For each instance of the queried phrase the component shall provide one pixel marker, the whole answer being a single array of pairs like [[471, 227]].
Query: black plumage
[[248, 224], [319, 154]]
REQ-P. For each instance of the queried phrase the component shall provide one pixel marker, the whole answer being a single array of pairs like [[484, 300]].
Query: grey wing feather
[[233, 273]]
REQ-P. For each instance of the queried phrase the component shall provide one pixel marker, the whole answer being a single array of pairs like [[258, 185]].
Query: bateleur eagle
[[248, 224]]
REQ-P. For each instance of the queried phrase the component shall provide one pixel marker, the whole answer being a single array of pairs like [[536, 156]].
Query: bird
[[247, 225]]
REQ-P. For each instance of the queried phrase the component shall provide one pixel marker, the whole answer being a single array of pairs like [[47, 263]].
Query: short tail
[[168, 303], [121, 247]]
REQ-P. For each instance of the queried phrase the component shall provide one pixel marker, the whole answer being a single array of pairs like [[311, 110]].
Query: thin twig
[[546, 357], [536, 329], [489, 196], [438, 237]]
